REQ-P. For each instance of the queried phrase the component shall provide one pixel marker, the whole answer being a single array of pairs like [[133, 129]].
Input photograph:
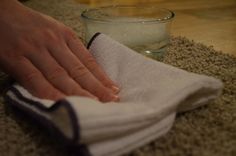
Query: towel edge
[[92, 39], [70, 143]]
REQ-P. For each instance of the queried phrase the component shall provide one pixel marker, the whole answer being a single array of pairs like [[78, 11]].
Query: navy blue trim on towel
[[70, 143], [60, 103], [92, 39]]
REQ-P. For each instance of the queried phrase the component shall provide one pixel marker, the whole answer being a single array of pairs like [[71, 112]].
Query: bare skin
[[47, 58]]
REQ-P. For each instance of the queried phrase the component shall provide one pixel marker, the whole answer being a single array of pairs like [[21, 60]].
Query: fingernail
[[95, 98], [115, 98], [115, 89]]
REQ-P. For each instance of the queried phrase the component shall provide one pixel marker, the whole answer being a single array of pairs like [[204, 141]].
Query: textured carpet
[[207, 131]]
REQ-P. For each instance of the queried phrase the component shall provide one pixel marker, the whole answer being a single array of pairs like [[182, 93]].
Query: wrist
[[9, 8], [8, 5]]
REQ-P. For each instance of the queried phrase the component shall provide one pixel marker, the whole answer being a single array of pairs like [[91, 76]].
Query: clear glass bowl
[[145, 29]]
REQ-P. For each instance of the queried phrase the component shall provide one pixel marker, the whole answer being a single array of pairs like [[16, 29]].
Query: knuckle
[[11, 55], [32, 75], [56, 73], [22, 46], [70, 33], [42, 53], [25, 40], [75, 91], [40, 92], [78, 71], [72, 91], [54, 95], [102, 94], [104, 81], [50, 94], [51, 36], [91, 63]]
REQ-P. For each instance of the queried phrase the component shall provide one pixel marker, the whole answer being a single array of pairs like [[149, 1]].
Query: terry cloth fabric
[[151, 94]]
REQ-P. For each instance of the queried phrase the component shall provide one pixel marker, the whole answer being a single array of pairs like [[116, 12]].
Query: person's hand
[[47, 58]]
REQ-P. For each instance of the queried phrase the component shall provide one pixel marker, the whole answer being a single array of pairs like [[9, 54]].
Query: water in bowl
[[147, 38]]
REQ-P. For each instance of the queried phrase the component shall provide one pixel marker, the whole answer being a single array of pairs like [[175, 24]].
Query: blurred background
[[212, 22]]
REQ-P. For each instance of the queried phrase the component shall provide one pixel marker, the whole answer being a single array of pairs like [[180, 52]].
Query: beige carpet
[[207, 131]]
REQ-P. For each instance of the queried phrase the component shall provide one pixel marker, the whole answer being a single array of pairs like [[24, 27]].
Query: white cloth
[[151, 94]]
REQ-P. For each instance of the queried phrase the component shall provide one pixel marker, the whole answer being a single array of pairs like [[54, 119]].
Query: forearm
[[6, 3], [9, 9]]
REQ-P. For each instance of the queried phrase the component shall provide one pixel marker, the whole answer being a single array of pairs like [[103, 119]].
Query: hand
[[47, 58]]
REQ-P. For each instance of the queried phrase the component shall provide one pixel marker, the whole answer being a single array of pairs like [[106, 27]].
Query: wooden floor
[[212, 22]]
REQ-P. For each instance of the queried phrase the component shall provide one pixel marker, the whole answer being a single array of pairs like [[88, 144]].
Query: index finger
[[77, 47]]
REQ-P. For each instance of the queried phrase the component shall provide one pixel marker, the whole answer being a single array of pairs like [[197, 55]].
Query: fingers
[[50, 76], [81, 74], [56, 75], [77, 47], [32, 79]]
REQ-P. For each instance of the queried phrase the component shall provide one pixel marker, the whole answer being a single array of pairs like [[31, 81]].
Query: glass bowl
[[145, 29]]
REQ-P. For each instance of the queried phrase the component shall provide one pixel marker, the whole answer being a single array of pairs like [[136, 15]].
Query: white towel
[[151, 94]]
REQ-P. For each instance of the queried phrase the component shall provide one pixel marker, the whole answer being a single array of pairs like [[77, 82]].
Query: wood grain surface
[[211, 22]]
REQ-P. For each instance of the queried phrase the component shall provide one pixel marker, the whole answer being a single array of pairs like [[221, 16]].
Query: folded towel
[[151, 94]]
